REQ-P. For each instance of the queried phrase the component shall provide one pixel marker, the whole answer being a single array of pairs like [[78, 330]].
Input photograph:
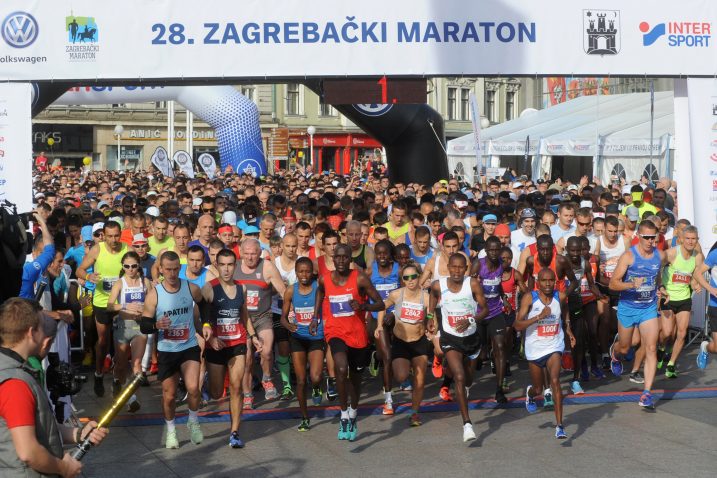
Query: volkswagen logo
[[19, 29], [373, 109]]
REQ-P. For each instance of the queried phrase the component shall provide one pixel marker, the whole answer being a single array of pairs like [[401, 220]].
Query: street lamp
[[311, 131], [119, 129]]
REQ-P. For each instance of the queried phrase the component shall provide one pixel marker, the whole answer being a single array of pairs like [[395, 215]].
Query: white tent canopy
[[620, 124]]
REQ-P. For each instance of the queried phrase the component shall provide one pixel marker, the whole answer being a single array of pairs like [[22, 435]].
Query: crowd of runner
[[212, 284]]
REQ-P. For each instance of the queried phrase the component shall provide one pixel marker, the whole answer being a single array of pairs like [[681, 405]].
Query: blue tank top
[[645, 296], [492, 289], [179, 307], [199, 281], [384, 285], [302, 312], [422, 259]]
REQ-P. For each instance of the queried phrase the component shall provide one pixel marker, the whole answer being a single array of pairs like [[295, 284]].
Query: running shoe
[[615, 364], [636, 377], [316, 396], [671, 371], [87, 360], [144, 381], [116, 388], [560, 433], [630, 354], [344, 429], [437, 367], [468, 433], [703, 357], [597, 372], [500, 397], [248, 402], [660, 357], [577, 388], [504, 385], [353, 429], [331, 393], [305, 425], [99, 386], [373, 364], [195, 432], [107, 364], [154, 368], [415, 420], [287, 393], [567, 361], [445, 394], [646, 401], [606, 363], [530, 401], [235, 441], [388, 408], [548, 400], [133, 406], [171, 441], [270, 392], [406, 385], [584, 372]]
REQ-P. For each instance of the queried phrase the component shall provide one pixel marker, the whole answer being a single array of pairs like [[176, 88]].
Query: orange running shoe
[[445, 394], [437, 367]]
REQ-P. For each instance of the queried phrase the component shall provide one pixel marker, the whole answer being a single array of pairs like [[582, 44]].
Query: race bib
[[228, 328], [610, 269], [340, 306], [681, 277], [385, 289], [179, 333], [490, 287], [252, 300], [108, 282], [549, 329], [454, 318], [303, 315], [132, 297], [411, 313]]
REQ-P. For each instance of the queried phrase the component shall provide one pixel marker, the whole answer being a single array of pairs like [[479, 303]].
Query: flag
[[160, 159], [206, 161], [184, 162], [475, 119]]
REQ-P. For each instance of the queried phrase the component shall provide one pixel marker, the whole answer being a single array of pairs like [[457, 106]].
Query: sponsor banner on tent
[[573, 147], [161, 160], [206, 161], [184, 163], [16, 146], [90, 40], [702, 98]]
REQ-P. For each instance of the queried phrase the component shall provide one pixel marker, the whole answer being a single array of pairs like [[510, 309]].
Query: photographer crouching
[[26, 417]]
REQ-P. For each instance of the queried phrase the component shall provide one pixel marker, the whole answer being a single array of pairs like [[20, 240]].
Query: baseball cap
[[251, 230], [490, 219], [151, 193], [139, 239], [632, 213], [517, 185], [540, 181], [152, 211], [461, 204], [102, 204], [229, 217], [626, 190], [586, 203], [527, 213], [572, 187], [444, 182], [197, 202], [612, 209], [98, 226], [86, 233]]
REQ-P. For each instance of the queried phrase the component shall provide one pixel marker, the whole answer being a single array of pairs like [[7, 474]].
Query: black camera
[[61, 377]]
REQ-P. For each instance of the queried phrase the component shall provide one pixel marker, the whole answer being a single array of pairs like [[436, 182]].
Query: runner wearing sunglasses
[[127, 298], [410, 346]]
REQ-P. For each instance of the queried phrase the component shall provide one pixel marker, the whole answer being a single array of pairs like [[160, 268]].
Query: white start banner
[[206, 161], [161, 160], [184, 163], [90, 40], [16, 146], [702, 98]]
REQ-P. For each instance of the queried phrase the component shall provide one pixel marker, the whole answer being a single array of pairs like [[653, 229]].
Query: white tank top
[[456, 306], [544, 336], [289, 278], [131, 294], [436, 275], [610, 255]]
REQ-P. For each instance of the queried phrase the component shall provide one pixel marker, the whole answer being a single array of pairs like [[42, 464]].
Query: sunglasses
[[648, 237], [584, 223], [410, 277], [130, 266], [142, 246], [393, 192], [208, 209]]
